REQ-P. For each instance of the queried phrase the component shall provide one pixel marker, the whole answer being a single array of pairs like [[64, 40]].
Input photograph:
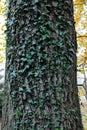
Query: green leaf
[[18, 113], [28, 90]]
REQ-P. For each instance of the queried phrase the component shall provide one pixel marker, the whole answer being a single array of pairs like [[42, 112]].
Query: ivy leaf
[[18, 113], [28, 89]]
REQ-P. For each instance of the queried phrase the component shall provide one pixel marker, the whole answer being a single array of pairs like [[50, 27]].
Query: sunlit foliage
[[2, 29], [81, 28]]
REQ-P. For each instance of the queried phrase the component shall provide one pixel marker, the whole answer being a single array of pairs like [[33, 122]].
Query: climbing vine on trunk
[[41, 65]]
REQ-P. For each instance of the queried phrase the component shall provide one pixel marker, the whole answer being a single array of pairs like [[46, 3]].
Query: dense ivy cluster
[[40, 57]]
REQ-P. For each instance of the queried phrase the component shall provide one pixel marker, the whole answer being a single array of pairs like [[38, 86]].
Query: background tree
[[41, 67]]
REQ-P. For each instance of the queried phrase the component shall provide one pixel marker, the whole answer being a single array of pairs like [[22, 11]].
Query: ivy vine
[[40, 57]]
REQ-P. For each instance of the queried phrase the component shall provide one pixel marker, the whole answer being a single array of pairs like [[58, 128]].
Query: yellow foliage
[[2, 7], [78, 5], [80, 15], [83, 56], [81, 92], [2, 29]]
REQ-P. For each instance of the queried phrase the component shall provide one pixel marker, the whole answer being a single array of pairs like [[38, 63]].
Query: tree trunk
[[41, 67]]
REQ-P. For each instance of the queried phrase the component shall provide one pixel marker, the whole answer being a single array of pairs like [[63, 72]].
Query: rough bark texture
[[41, 67]]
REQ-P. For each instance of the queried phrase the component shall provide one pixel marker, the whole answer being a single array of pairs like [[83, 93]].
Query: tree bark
[[40, 89]]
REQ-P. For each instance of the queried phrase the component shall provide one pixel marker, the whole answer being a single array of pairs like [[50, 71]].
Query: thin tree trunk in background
[[85, 81], [41, 67]]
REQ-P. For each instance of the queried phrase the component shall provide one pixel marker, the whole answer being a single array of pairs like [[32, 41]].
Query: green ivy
[[40, 46]]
